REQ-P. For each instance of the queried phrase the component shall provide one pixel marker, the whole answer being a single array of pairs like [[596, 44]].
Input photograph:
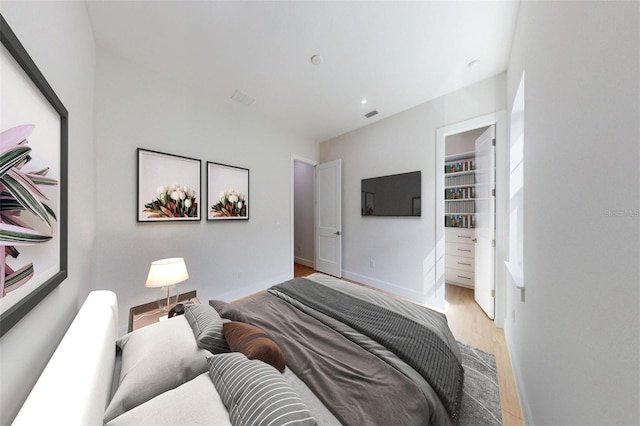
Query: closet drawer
[[457, 276], [460, 235], [456, 249], [458, 262]]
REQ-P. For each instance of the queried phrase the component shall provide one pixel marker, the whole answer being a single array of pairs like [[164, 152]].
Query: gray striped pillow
[[255, 393], [207, 327]]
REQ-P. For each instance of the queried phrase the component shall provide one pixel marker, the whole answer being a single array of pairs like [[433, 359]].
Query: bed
[[313, 350]]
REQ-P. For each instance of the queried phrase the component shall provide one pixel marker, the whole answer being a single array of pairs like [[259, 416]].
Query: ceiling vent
[[371, 114], [242, 97]]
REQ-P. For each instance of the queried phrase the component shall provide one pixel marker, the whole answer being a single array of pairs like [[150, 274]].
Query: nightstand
[[149, 313]]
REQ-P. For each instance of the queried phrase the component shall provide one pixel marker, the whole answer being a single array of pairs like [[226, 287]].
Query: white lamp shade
[[166, 272]]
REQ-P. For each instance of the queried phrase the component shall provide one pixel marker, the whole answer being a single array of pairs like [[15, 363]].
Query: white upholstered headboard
[[75, 386]]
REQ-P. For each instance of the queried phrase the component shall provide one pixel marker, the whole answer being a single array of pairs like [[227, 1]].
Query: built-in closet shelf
[[459, 191], [460, 156], [459, 218]]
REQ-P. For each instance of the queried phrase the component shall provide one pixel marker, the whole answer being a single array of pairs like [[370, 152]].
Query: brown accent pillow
[[254, 343]]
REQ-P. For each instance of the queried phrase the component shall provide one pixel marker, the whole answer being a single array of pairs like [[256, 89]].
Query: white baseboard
[[303, 261], [249, 289], [386, 286], [527, 418]]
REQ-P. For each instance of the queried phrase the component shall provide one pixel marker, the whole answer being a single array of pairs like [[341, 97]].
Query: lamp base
[[169, 299]]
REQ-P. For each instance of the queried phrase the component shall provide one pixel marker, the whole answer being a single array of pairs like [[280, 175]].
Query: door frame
[[499, 119], [314, 163]]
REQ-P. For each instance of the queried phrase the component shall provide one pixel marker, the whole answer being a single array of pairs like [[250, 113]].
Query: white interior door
[[485, 221], [329, 218]]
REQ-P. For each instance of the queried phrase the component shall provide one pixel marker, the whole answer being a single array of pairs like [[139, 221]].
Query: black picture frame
[[15, 310], [174, 174], [230, 181]]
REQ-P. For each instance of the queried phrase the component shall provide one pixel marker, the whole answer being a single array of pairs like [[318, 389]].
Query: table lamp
[[166, 273]]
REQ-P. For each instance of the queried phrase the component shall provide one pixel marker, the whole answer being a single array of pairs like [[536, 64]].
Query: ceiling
[[394, 54]]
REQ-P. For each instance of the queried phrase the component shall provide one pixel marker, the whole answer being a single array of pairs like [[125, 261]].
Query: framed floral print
[[168, 187], [227, 192]]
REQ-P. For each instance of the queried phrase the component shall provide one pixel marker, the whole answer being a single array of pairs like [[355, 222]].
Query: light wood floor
[[470, 325]]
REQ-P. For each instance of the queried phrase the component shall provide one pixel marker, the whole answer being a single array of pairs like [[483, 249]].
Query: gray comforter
[[417, 345], [358, 379]]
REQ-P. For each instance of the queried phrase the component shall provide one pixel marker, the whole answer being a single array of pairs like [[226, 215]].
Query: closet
[[459, 208], [460, 198]]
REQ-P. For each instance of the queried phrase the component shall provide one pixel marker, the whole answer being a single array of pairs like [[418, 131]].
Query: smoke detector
[[316, 59]]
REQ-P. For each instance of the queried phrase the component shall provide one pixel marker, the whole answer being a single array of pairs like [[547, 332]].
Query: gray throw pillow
[[207, 327], [256, 393], [227, 310], [155, 359]]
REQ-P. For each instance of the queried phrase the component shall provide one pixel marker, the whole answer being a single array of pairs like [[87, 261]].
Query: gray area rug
[[481, 399]]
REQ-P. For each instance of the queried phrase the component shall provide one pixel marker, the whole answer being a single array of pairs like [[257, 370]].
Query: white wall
[[226, 259], [402, 249], [303, 224], [575, 339], [464, 142], [58, 37]]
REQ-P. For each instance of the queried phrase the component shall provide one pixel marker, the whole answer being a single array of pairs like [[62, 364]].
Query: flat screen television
[[394, 195]]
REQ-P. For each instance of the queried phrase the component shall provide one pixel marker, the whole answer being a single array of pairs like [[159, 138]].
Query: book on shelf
[[459, 166], [459, 221], [465, 193], [459, 180], [462, 206]]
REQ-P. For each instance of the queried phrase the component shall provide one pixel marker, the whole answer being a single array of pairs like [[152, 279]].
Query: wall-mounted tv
[[394, 195]]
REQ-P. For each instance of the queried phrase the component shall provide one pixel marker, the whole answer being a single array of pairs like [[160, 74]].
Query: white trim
[[415, 296], [244, 291], [502, 149], [314, 163], [516, 274], [303, 261]]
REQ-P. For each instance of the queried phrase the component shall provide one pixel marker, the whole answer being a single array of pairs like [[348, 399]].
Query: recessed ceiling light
[[316, 59], [473, 63], [363, 102]]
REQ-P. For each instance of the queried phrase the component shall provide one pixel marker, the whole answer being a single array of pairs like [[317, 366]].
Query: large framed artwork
[[168, 187], [33, 183], [227, 192]]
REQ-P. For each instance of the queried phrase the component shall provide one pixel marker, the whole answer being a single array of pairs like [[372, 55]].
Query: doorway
[[496, 291], [303, 205], [469, 197], [316, 212]]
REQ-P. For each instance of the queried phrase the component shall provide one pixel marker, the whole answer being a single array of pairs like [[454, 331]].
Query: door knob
[[475, 240], [337, 233]]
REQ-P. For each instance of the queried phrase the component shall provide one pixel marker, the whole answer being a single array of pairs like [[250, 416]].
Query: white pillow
[[155, 359], [193, 403]]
